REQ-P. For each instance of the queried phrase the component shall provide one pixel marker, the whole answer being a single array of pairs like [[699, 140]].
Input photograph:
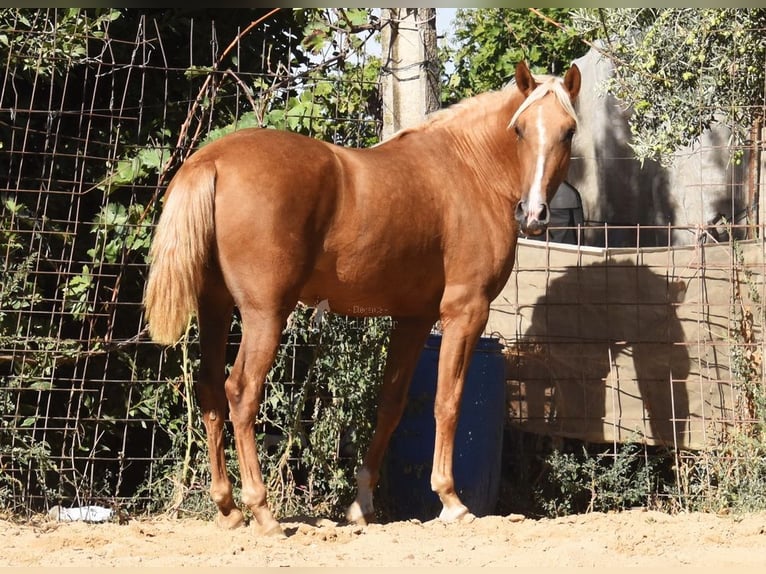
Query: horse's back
[[264, 160]]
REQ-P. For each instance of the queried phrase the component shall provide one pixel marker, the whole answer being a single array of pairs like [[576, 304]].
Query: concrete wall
[[616, 189]]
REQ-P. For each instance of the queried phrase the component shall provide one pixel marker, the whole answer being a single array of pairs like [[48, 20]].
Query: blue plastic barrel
[[406, 478]]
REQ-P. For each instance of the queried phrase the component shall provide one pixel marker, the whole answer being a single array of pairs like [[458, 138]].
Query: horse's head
[[544, 124]]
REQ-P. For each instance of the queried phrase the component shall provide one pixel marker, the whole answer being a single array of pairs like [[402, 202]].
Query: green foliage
[[681, 69], [20, 455], [339, 33], [606, 481], [728, 476], [128, 171], [119, 232], [491, 41], [313, 428], [16, 291], [334, 99], [47, 42], [118, 228], [35, 349], [321, 406]]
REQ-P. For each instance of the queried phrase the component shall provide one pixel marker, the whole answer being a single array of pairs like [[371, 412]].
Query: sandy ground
[[633, 538]]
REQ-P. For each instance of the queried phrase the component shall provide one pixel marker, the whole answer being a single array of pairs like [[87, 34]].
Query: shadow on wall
[[588, 318]]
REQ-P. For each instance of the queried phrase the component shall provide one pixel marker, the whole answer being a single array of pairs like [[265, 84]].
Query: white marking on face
[[535, 197]]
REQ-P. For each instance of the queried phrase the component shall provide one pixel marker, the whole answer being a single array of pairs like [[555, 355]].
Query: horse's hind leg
[[261, 332], [215, 311], [407, 339]]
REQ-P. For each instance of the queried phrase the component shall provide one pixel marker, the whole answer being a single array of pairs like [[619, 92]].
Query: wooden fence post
[[410, 67]]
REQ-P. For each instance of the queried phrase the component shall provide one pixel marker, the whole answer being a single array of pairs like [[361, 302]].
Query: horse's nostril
[[543, 214], [520, 210]]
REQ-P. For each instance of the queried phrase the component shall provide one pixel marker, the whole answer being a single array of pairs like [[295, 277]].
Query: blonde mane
[[474, 105], [480, 103]]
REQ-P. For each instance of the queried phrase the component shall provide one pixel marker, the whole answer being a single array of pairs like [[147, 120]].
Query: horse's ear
[[524, 80], [572, 81]]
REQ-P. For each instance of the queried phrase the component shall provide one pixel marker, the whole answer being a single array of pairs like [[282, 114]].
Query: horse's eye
[[519, 133], [569, 134]]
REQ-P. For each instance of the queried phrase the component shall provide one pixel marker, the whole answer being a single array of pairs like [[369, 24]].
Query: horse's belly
[[399, 294]]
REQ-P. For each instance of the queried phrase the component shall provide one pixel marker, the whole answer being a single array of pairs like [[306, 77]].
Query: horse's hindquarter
[[275, 199]]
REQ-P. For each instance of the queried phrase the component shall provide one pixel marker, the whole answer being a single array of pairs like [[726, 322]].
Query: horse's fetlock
[[221, 496], [253, 498], [441, 484]]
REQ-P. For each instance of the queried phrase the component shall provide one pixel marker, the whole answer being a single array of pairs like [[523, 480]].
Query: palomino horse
[[421, 228]]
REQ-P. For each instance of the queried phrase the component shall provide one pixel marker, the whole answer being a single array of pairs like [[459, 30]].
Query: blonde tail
[[180, 251]]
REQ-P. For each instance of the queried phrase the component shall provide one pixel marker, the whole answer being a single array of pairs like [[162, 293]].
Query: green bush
[[607, 481]]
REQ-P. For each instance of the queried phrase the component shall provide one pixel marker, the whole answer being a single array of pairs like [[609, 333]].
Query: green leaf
[[197, 71], [41, 385], [276, 118], [357, 16], [322, 89]]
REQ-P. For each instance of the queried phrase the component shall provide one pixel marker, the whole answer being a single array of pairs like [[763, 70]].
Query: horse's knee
[[447, 412]]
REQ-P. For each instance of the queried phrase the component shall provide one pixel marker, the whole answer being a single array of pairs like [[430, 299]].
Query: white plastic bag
[[80, 513]]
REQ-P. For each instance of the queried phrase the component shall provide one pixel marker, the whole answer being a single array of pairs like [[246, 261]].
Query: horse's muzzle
[[532, 221]]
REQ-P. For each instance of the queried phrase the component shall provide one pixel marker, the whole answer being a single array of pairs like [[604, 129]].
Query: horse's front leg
[[463, 318], [406, 343]]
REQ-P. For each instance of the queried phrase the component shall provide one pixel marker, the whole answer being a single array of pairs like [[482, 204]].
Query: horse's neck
[[488, 152], [470, 143]]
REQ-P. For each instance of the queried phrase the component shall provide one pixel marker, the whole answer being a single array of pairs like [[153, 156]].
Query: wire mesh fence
[[634, 362], [92, 411]]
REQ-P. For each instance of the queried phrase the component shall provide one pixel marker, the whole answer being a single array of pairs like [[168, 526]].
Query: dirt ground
[[632, 538]]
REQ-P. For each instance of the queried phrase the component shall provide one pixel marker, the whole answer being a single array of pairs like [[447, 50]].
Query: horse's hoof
[[363, 520], [456, 514], [230, 521], [271, 530], [355, 515]]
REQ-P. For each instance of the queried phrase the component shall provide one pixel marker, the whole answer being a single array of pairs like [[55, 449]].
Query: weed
[[606, 481]]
